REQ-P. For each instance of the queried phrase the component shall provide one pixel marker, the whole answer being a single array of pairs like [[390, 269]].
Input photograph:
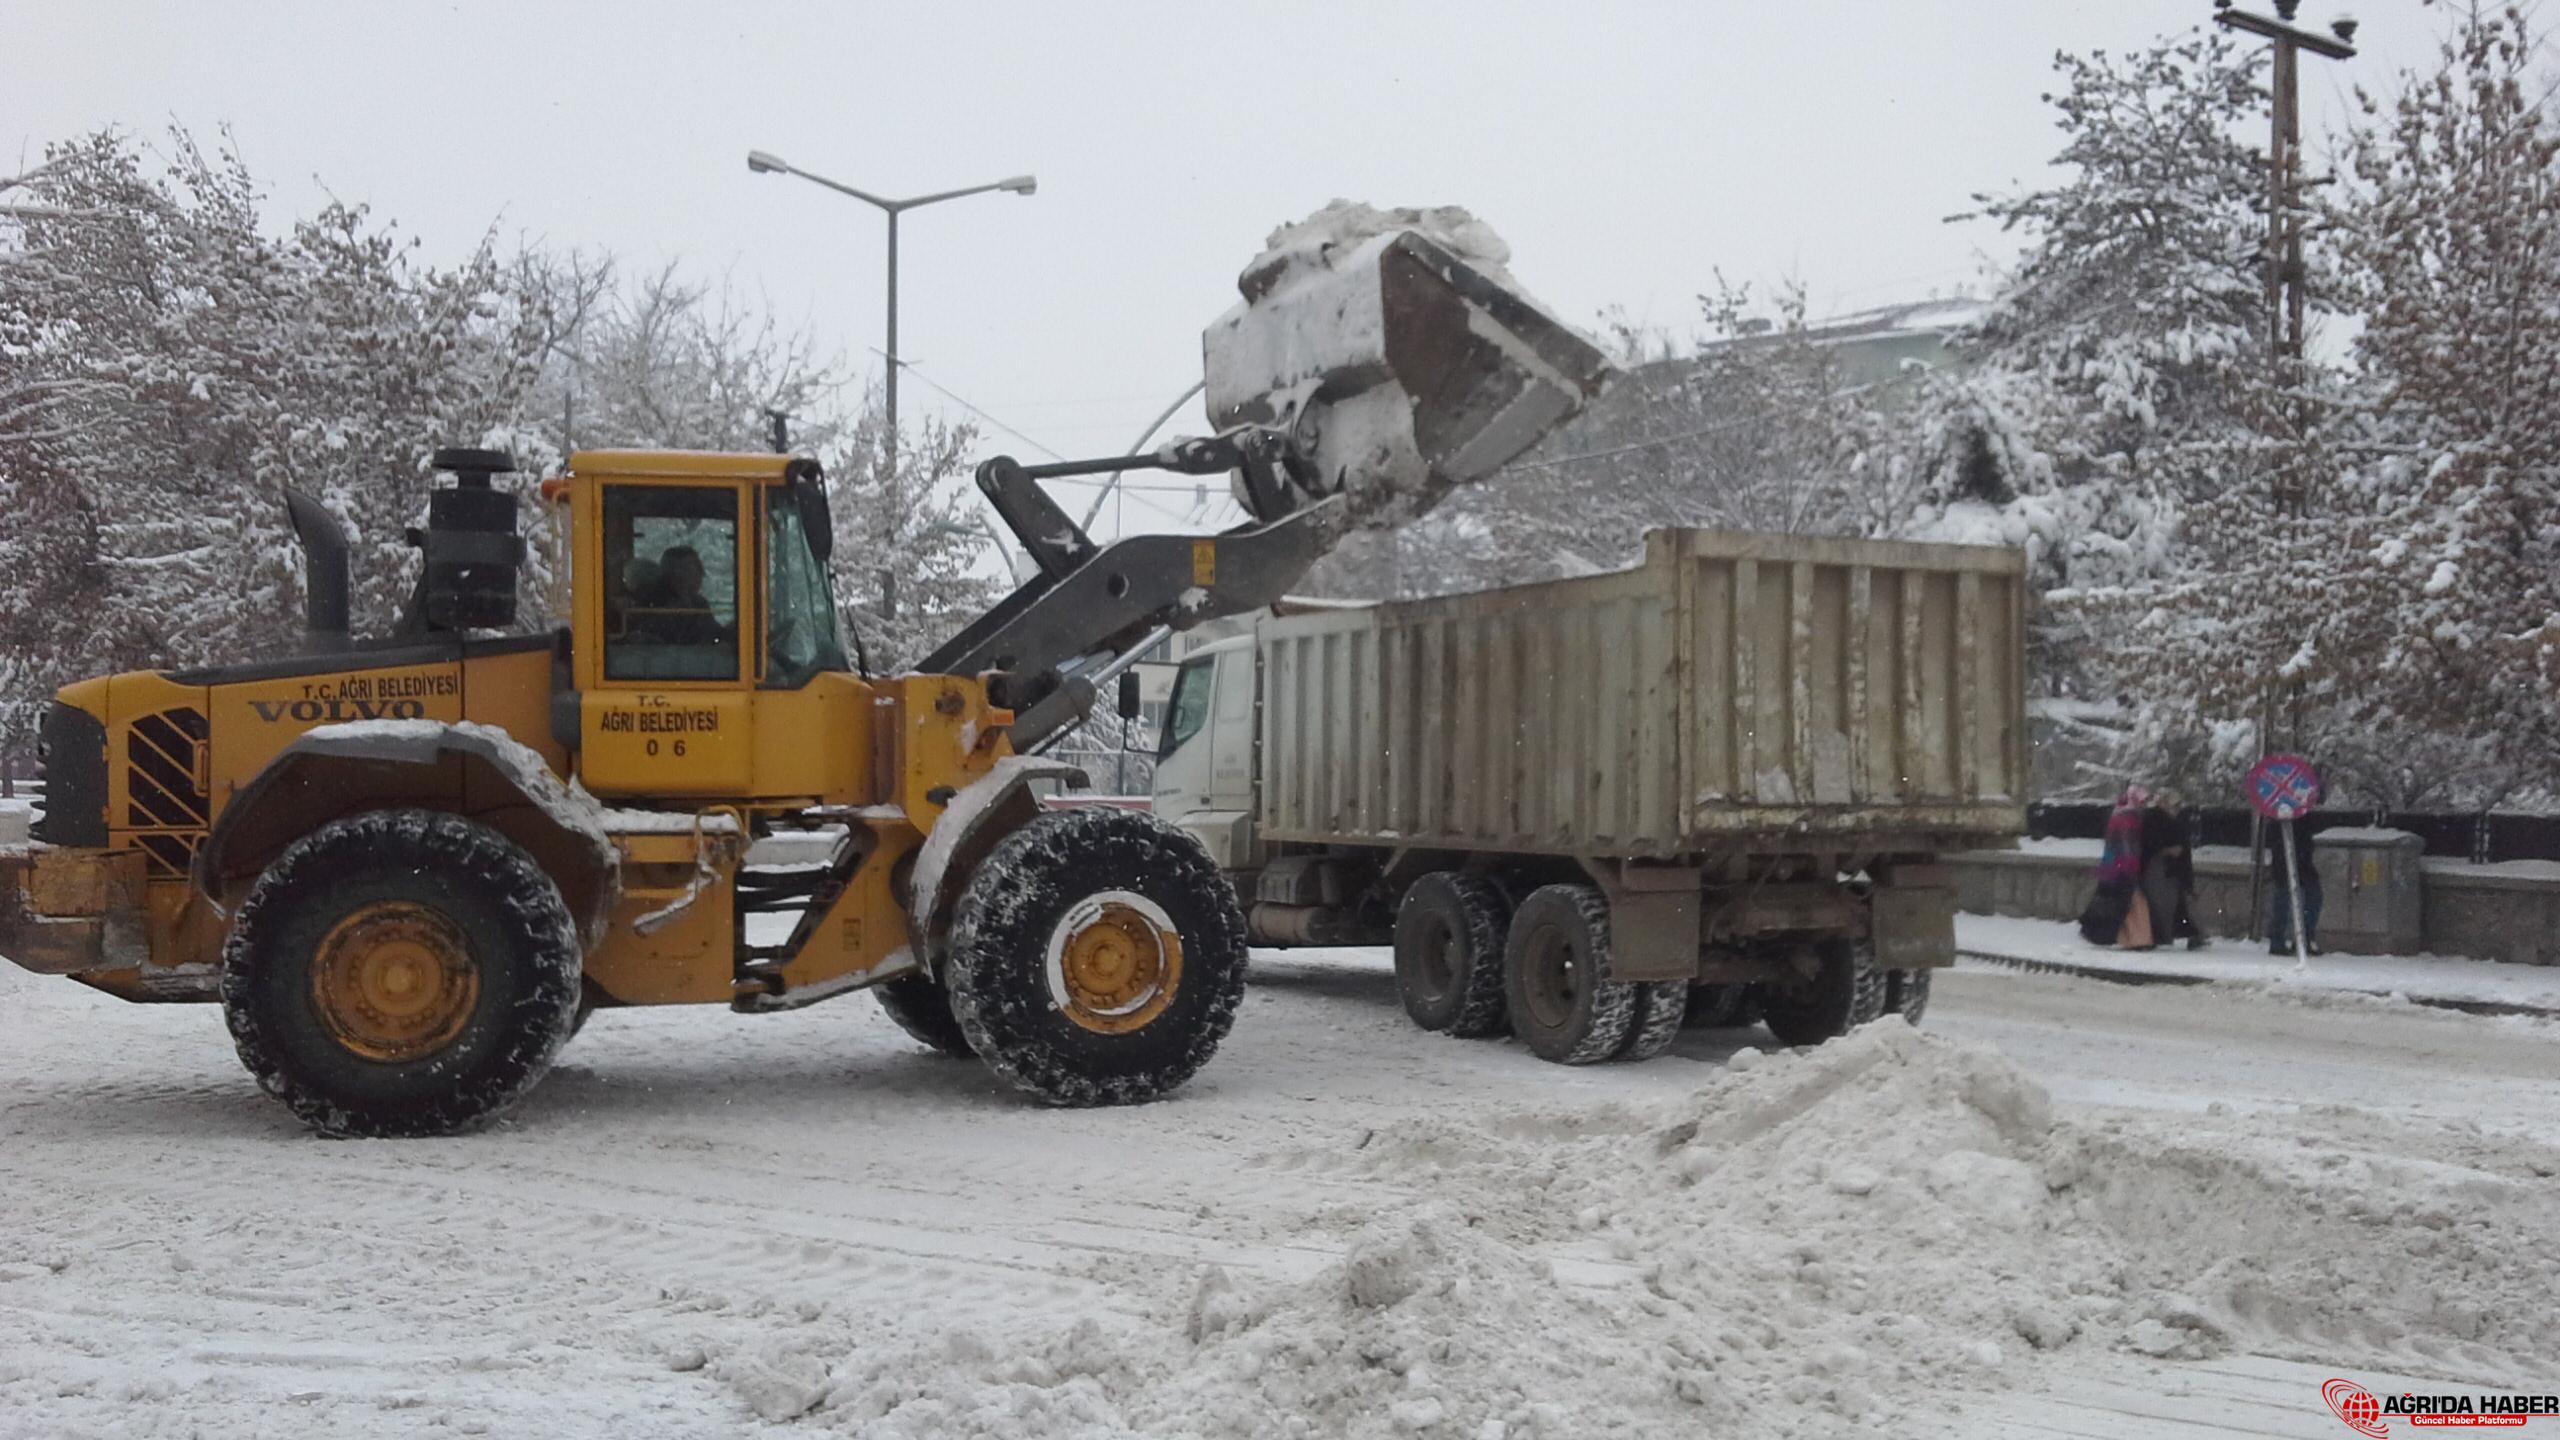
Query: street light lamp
[[764, 162]]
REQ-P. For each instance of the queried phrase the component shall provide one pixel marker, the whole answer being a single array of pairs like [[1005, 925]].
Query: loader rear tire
[[1553, 967], [1449, 954], [923, 1009], [1845, 992], [1097, 957], [401, 973]]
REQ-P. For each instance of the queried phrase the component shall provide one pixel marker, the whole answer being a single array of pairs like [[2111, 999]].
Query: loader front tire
[[923, 1010], [1555, 966], [1449, 954], [1097, 957], [401, 973]]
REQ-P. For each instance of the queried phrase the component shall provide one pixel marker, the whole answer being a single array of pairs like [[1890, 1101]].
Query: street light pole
[[764, 163]]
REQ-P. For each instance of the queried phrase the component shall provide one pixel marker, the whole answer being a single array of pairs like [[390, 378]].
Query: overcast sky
[[1626, 150]]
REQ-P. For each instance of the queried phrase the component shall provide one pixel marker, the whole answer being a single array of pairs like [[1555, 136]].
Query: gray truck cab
[[1204, 762]]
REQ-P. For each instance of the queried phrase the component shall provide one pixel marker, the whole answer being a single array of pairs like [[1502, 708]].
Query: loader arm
[[1091, 605], [1359, 385]]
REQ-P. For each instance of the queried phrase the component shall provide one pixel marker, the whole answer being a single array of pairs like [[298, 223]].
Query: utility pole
[[2286, 301]]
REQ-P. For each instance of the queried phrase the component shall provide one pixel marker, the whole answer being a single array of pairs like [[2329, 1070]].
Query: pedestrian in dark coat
[[2169, 874]]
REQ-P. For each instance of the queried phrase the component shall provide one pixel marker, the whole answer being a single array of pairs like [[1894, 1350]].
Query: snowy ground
[[2064, 1208], [2237, 961]]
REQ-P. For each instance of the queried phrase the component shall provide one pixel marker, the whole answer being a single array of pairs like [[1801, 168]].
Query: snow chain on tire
[[1453, 922], [401, 973], [1906, 994], [1552, 964], [1097, 957]]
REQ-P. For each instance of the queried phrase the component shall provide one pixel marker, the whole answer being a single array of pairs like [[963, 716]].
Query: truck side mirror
[[1129, 704]]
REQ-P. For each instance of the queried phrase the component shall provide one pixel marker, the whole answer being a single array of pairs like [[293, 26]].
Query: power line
[[947, 393], [1197, 514]]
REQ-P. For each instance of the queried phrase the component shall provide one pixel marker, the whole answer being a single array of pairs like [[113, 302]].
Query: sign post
[[2283, 788]]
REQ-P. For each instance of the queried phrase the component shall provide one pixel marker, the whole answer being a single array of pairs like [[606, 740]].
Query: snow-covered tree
[[2118, 365], [173, 365], [2435, 555], [2120, 375], [911, 560], [2364, 558]]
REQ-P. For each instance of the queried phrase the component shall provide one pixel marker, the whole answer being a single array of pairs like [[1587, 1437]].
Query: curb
[[2114, 976]]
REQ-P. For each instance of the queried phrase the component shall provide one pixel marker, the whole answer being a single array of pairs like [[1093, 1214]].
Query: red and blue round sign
[[2282, 787]]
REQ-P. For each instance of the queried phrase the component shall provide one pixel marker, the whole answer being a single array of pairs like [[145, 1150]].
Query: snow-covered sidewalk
[[2442, 980]]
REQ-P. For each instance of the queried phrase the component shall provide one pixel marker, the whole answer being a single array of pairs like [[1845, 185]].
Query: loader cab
[[701, 614]]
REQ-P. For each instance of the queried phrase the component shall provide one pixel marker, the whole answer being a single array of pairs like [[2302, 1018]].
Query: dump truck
[[408, 866], [1593, 810]]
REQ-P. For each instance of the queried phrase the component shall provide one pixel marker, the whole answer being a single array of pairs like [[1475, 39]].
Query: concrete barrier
[[2381, 897]]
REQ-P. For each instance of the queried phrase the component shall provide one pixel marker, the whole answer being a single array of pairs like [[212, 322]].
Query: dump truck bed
[[1734, 693]]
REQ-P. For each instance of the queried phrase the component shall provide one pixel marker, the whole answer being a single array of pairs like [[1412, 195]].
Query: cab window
[[671, 582], [1190, 708], [800, 607]]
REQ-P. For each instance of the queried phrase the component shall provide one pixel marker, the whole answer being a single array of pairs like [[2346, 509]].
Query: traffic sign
[[2282, 787]]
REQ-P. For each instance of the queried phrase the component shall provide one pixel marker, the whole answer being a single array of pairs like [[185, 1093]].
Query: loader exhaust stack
[[325, 625]]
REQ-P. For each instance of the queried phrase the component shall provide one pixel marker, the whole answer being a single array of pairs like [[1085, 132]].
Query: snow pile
[[1311, 245], [1426, 1325], [1911, 1206], [1818, 1243]]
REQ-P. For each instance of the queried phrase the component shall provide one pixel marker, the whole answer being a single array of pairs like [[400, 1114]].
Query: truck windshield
[[800, 606], [1190, 708]]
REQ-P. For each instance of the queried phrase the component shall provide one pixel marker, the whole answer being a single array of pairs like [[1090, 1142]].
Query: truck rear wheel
[[923, 1009], [1097, 957], [1661, 1008], [1845, 991], [400, 973], [1713, 1006], [1449, 954], [1553, 966], [1906, 993]]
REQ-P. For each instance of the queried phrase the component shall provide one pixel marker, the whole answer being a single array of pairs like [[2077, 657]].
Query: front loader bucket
[[1403, 370]]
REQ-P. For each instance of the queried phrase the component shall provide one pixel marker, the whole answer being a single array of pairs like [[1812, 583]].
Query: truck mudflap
[[70, 911], [1914, 926]]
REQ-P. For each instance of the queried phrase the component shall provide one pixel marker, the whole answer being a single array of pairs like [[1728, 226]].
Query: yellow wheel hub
[[1114, 962], [394, 981]]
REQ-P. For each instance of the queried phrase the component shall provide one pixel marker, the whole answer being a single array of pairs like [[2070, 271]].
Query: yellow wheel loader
[[408, 866]]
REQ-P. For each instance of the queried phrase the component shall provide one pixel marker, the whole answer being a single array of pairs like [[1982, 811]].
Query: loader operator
[[673, 609]]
